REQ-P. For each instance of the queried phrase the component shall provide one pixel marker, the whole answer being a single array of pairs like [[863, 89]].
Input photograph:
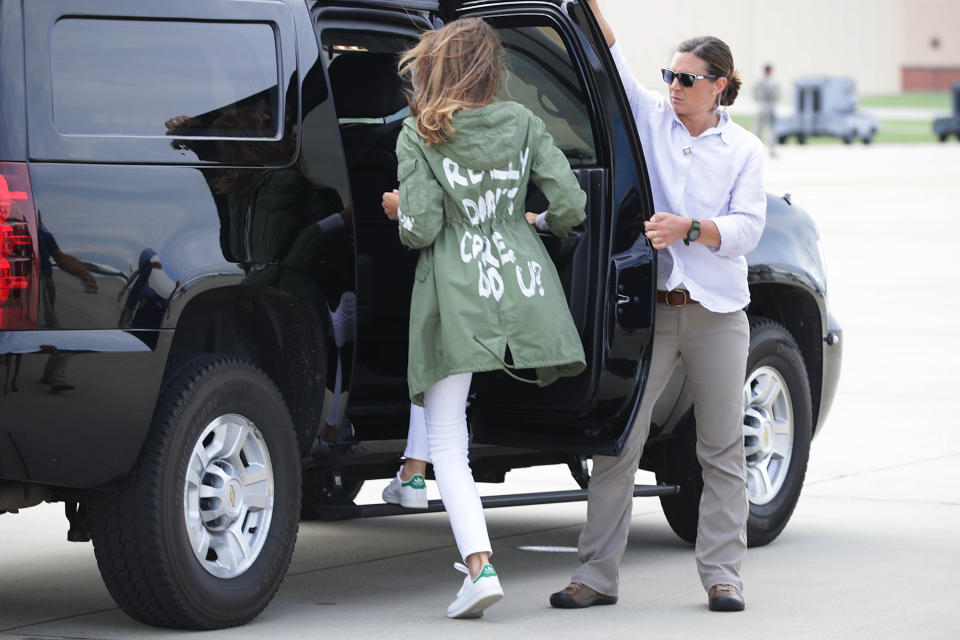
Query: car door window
[[541, 76], [129, 77]]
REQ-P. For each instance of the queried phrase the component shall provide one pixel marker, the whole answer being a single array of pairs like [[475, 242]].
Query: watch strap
[[693, 234]]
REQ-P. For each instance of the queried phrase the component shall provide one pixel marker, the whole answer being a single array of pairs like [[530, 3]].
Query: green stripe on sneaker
[[487, 572], [417, 482]]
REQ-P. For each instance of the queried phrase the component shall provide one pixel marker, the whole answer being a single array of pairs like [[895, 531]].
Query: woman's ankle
[[476, 562], [412, 467]]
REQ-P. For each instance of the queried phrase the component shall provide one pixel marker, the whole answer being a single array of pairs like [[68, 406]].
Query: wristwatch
[[693, 234]]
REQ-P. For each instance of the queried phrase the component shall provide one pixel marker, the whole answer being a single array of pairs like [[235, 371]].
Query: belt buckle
[[682, 292]]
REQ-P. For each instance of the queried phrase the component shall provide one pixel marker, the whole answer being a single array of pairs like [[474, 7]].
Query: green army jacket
[[484, 280]]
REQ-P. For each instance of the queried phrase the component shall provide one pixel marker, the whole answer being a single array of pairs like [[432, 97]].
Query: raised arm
[[602, 21], [642, 101]]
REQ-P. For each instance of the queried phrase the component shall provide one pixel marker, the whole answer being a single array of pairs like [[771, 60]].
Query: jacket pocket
[[409, 186], [424, 268]]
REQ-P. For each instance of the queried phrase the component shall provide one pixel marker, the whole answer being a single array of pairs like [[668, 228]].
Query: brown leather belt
[[675, 298]]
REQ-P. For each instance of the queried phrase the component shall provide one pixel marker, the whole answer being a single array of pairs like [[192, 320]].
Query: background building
[[931, 44], [886, 46]]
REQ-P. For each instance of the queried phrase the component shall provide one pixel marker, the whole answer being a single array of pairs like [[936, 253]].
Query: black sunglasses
[[685, 79]]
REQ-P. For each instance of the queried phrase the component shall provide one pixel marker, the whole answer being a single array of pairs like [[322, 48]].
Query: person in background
[[706, 174], [766, 93]]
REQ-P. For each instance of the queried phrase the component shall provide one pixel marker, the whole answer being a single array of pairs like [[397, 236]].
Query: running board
[[350, 511]]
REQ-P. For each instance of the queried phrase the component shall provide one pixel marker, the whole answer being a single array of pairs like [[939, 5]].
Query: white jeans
[[445, 419], [418, 448]]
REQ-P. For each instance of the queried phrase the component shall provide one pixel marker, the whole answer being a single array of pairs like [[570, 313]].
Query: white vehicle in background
[[826, 106]]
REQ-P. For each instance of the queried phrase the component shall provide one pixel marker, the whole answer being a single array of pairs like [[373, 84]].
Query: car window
[[541, 76], [377, 107], [129, 77]]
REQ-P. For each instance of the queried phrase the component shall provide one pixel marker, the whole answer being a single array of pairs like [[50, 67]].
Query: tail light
[[19, 266]]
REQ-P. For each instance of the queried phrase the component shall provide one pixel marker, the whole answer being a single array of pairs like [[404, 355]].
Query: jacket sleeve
[[420, 214], [740, 229], [550, 171]]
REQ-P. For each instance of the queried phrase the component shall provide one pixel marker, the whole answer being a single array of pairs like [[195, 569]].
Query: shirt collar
[[723, 127]]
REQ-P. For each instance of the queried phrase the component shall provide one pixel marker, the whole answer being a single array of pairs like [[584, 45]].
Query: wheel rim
[[228, 496], [767, 433]]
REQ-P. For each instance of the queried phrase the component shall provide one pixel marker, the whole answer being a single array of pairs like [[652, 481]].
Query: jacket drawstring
[[506, 367]]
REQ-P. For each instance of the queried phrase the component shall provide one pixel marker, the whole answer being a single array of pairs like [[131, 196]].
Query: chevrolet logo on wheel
[[233, 497]]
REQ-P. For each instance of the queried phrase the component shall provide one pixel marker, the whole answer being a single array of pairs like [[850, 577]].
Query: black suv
[[203, 309]]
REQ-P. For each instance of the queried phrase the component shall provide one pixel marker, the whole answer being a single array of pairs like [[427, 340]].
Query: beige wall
[[801, 38], [924, 20], [931, 44]]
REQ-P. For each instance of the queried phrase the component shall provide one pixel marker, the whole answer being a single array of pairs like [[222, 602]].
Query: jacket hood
[[485, 138]]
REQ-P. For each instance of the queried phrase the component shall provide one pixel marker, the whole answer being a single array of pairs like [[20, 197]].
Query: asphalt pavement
[[872, 551]]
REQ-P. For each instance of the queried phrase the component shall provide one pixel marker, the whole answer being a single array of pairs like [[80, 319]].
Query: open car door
[[559, 67]]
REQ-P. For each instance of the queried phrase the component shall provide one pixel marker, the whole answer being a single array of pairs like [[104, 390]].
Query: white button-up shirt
[[716, 176]]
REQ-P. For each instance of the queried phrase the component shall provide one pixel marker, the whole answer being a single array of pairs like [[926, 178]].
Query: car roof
[[423, 5], [445, 6]]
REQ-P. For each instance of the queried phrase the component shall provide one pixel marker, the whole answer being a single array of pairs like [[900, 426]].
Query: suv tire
[[782, 416], [202, 531]]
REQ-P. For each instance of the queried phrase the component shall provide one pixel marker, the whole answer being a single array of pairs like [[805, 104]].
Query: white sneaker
[[411, 494], [476, 594]]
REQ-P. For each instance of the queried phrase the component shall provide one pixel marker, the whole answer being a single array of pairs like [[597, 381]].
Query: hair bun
[[733, 88]]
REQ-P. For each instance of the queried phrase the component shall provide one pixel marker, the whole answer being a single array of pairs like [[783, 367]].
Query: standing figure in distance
[[766, 93]]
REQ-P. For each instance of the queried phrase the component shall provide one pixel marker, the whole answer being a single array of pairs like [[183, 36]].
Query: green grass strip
[[891, 131], [915, 100]]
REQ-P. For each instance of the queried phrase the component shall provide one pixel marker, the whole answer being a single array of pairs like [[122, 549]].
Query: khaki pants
[[764, 129], [713, 349]]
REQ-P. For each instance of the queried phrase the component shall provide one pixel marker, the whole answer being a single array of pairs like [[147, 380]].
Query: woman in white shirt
[[706, 173]]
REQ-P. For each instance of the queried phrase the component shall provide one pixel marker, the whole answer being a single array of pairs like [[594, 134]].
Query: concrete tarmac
[[872, 551]]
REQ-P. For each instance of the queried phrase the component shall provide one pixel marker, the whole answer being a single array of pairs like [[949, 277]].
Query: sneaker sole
[[392, 499], [415, 505], [476, 608]]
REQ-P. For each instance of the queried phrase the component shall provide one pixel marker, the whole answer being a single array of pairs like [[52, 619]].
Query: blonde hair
[[456, 67]]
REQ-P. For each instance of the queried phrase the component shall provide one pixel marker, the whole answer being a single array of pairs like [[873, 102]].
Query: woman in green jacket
[[484, 281]]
